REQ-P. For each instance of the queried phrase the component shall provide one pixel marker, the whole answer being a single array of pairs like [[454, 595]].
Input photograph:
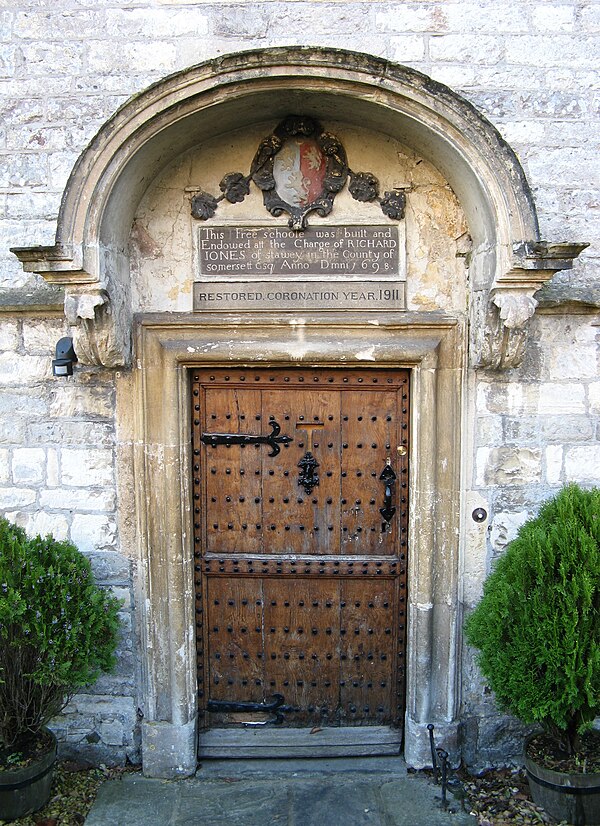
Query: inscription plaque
[[305, 295], [261, 252], [328, 267]]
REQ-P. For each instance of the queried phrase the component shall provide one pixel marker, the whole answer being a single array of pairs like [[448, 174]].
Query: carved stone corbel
[[500, 317], [101, 336], [500, 328], [99, 313]]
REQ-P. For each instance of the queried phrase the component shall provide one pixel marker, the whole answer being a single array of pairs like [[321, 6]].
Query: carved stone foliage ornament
[[300, 169], [500, 317]]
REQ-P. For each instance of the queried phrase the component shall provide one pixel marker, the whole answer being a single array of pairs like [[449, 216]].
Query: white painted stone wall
[[530, 66], [57, 475]]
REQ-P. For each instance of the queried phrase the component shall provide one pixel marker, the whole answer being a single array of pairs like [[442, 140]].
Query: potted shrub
[[537, 629], [58, 631]]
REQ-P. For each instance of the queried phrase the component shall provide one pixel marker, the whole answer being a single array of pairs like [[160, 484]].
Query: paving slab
[[335, 792]]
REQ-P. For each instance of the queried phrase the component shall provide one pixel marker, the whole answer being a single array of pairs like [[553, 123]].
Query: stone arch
[[509, 261], [90, 260]]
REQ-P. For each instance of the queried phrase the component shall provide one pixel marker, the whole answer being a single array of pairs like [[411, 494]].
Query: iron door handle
[[388, 477]]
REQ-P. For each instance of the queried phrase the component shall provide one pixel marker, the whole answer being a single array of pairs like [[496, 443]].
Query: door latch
[[388, 477]]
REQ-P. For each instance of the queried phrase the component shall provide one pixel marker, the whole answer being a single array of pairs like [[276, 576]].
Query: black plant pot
[[26, 790], [571, 797]]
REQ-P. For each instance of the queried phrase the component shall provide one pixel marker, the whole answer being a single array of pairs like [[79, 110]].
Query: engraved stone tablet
[[325, 267]]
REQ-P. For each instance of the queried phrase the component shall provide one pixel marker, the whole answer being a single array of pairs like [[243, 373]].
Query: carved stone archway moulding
[[509, 262]]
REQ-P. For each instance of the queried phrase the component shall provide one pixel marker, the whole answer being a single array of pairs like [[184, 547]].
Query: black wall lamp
[[62, 364]]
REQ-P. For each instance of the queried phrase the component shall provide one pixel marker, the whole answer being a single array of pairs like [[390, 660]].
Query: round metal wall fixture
[[479, 515]]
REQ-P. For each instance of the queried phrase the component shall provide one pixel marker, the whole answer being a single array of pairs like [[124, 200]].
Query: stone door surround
[[167, 348]]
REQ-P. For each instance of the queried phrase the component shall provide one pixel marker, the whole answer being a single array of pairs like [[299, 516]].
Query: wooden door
[[301, 543]]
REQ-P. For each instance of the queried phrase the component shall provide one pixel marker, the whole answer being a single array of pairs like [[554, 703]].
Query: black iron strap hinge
[[227, 439], [275, 706]]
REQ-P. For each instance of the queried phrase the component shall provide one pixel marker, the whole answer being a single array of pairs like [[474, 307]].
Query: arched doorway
[[506, 263]]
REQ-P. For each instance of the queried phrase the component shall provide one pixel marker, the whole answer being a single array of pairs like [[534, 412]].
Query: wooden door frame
[[432, 345]]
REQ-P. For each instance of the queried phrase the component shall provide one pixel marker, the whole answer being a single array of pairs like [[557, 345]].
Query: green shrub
[[58, 630], [537, 626]]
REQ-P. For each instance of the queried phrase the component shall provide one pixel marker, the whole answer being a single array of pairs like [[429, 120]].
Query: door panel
[[300, 579]]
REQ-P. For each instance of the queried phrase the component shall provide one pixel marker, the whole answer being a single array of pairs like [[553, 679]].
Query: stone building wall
[[530, 67]]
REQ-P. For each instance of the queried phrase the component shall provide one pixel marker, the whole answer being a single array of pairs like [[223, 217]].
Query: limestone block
[[523, 131], [513, 399], [24, 170], [590, 18], [123, 595], [52, 471], [42, 524], [533, 50], [582, 464], [4, 465], [146, 22], [19, 404], [112, 733], [82, 400], [108, 706], [504, 528], [549, 18], [565, 398], [554, 461], [79, 499], [510, 466], [60, 165], [470, 17], [12, 431], [409, 19], [521, 430], [37, 56], [594, 396], [28, 465], [58, 431], [572, 360], [113, 684], [408, 47], [552, 103], [87, 468], [566, 429], [465, 48], [24, 369], [39, 25], [105, 57], [16, 498], [126, 664], [40, 335], [9, 335], [110, 568], [454, 75], [489, 430], [93, 532], [562, 166]]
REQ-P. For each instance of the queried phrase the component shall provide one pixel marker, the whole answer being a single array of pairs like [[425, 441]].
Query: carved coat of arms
[[300, 169]]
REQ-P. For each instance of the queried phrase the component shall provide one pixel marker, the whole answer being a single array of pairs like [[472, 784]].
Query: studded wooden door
[[300, 485]]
